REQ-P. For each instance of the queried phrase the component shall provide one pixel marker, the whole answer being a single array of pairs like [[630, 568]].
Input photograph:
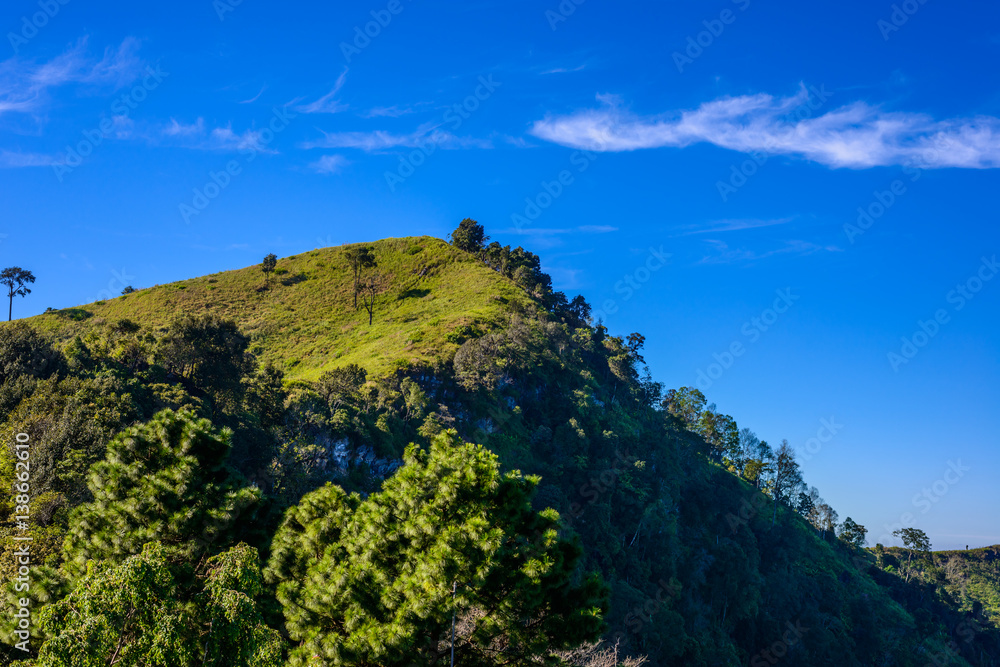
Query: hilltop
[[305, 322]]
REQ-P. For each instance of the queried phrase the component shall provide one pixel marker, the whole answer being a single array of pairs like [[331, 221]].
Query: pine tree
[[165, 481], [377, 581]]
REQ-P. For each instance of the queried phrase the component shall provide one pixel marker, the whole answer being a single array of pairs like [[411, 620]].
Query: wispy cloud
[[328, 103], [379, 140], [726, 255], [564, 70], [197, 136], [255, 97], [556, 231], [175, 129], [13, 160], [329, 164], [733, 225], [24, 85], [223, 138], [388, 112], [856, 136]]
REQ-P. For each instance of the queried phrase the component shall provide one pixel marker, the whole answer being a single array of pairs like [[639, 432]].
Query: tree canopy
[[370, 582]]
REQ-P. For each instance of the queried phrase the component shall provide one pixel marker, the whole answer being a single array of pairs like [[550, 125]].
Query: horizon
[[799, 236]]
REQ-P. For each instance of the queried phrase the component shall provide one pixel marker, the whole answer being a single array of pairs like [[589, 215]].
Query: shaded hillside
[[971, 577], [305, 321]]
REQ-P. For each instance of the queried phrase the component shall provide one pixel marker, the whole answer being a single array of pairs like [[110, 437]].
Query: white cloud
[[329, 164], [726, 255], [24, 85], [255, 97], [328, 103], [732, 225], [196, 136], [13, 159], [223, 138], [856, 136], [554, 231], [379, 140], [175, 129], [394, 111]]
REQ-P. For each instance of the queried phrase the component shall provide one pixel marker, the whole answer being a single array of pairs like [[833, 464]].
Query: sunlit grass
[[305, 320]]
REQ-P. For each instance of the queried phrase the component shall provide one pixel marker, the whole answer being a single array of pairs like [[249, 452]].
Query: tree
[[786, 475], [721, 433], [165, 481], [913, 539], [26, 353], [853, 533], [359, 258], [372, 287], [826, 519], [805, 505], [128, 289], [268, 265], [211, 352], [341, 385], [15, 278], [685, 404], [578, 312], [470, 237], [377, 581], [137, 613]]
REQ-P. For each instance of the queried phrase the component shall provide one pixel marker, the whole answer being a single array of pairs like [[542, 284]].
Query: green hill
[[707, 559], [305, 321]]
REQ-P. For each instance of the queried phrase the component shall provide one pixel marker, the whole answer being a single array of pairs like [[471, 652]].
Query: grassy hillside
[[306, 323]]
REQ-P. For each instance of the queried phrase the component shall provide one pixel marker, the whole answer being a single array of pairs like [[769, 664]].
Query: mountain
[[709, 555]]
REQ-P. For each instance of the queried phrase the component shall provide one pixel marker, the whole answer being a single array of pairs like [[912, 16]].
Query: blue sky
[[691, 168]]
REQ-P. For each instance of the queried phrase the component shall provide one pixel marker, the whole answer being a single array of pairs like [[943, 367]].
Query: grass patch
[[307, 322]]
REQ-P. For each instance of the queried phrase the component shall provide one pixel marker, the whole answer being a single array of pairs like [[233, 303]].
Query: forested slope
[[712, 548]]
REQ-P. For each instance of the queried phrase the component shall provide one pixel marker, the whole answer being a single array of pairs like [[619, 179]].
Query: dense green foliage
[[713, 548], [371, 582], [136, 613], [165, 481]]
